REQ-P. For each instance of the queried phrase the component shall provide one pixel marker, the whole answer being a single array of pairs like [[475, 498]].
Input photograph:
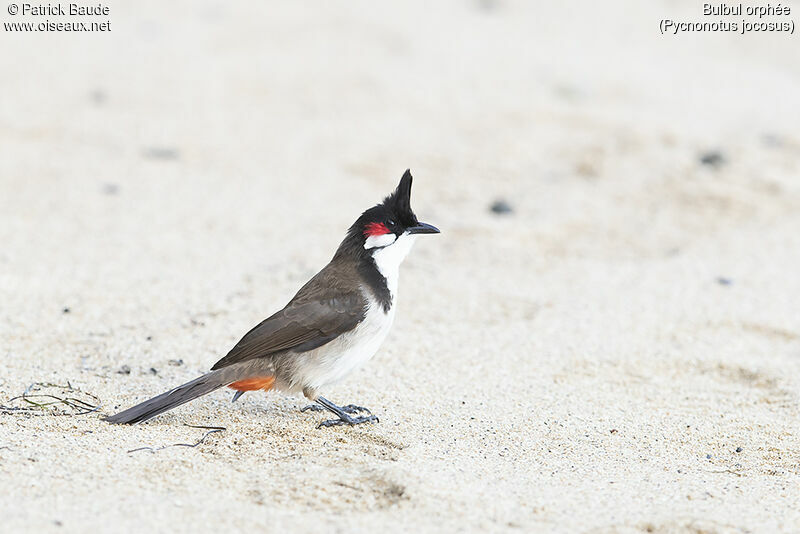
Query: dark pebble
[[65, 310], [124, 370], [708, 456], [712, 158], [772, 141], [149, 338], [153, 371], [110, 189], [176, 363], [98, 97], [738, 449], [724, 281], [501, 207], [161, 153]]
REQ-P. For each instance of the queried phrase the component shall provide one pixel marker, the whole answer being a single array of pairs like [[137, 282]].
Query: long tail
[[185, 393]]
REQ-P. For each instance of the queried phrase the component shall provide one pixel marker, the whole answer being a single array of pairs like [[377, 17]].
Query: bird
[[334, 324]]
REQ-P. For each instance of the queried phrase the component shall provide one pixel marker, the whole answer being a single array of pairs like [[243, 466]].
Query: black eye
[[391, 222]]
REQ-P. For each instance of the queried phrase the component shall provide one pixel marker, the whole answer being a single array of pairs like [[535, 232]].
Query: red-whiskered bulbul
[[335, 323]]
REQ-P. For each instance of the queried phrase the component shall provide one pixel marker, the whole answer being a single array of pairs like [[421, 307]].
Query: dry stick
[[79, 406], [348, 486], [211, 430], [12, 409]]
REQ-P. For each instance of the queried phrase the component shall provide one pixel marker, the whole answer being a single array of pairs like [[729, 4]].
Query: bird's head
[[391, 224]]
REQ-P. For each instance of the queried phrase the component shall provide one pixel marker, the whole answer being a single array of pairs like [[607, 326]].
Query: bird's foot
[[350, 408], [342, 413], [353, 409], [347, 420]]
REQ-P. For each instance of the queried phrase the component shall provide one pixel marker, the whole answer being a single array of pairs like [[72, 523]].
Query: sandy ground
[[621, 353]]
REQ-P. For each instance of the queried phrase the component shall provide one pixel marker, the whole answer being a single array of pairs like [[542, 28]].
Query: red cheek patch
[[373, 229]]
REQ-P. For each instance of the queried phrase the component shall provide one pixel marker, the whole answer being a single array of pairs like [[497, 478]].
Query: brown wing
[[315, 316]]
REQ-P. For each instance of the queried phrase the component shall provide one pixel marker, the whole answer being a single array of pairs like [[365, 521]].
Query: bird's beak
[[423, 228]]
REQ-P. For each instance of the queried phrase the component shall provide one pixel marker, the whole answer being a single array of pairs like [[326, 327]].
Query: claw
[[312, 408], [352, 408], [349, 421]]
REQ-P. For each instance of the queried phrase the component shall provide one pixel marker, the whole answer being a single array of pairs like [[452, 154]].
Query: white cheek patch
[[379, 240]]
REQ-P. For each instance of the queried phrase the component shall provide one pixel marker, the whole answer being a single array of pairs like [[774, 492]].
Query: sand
[[620, 353]]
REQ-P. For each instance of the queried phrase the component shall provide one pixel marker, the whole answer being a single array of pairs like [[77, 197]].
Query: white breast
[[335, 360]]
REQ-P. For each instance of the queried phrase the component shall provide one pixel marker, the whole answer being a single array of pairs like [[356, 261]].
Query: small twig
[[79, 406], [13, 409], [206, 427], [211, 430], [342, 484]]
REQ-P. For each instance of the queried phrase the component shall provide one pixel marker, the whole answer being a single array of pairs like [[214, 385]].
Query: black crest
[[398, 204]]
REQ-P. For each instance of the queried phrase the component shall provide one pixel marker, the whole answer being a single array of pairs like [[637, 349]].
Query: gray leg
[[342, 413]]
